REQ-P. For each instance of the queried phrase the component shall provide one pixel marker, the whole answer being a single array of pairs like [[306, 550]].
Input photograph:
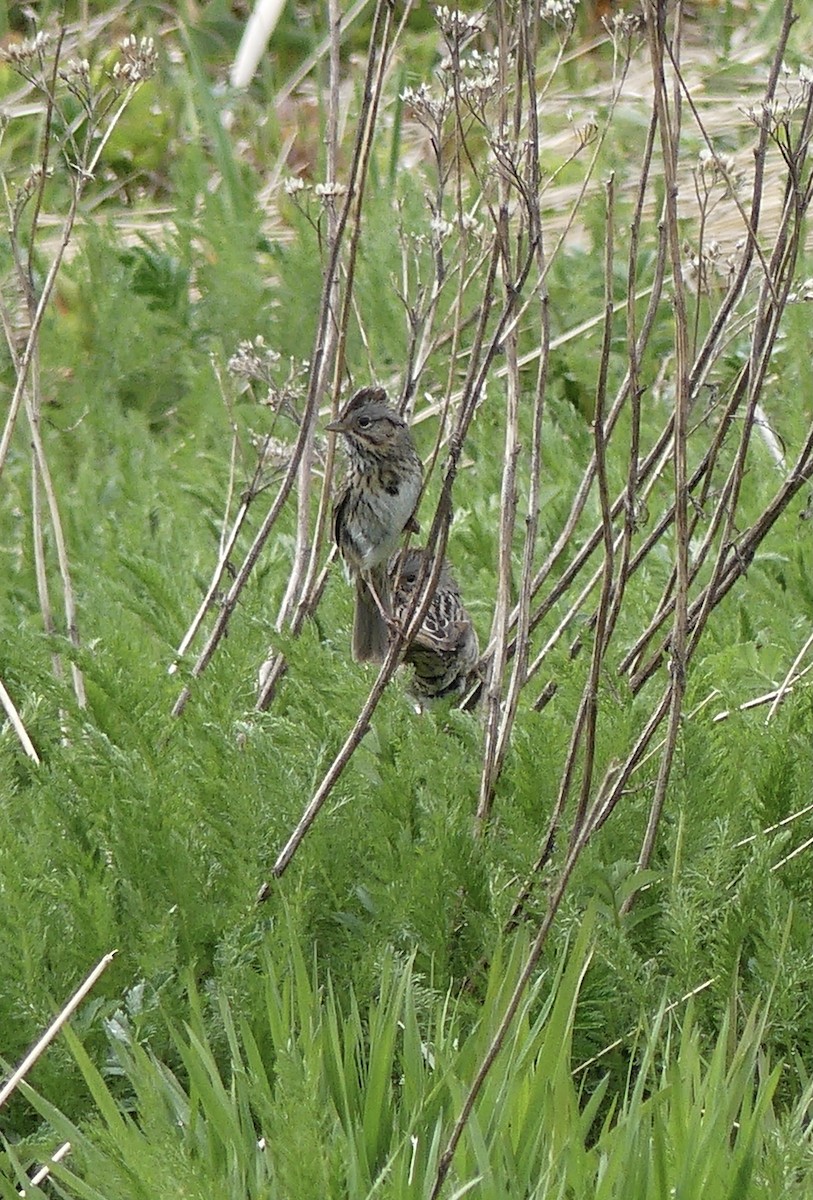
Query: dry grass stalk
[[53, 1029]]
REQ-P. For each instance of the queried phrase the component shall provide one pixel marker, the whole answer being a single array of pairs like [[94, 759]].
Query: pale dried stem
[[306, 554], [589, 707], [69, 599], [502, 608], [511, 451], [42, 1173], [789, 679], [669, 125], [608, 1049], [32, 342], [53, 1029], [522, 640], [17, 724]]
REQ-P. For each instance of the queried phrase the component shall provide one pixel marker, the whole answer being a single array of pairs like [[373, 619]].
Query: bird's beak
[[336, 427]]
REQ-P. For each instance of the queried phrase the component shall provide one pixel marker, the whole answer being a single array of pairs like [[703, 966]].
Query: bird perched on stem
[[444, 653], [375, 506]]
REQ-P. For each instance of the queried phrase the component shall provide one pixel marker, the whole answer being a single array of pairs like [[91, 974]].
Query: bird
[[444, 653], [375, 505]]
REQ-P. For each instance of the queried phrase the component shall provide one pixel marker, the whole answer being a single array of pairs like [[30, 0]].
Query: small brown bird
[[375, 506], [445, 652]]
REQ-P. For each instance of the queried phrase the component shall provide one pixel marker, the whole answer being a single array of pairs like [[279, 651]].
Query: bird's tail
[[370, 633]]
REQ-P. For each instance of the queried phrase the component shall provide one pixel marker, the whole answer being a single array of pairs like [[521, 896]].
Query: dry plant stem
[[773, 297], [32, 342], [53, 1029], [590, 699], [787, 682], [17, 724], [322, 343], [583, 491], [703, 364], [696, 991], [556, 896], [508, 507], [324, 47], [585, 486], [517, 679], [735, 553], [704, 474], [670, 132], [616, 779], [766, 698], [40, 571], [752, 837], [631, 494], [222, 562], [704, 359], [584, 724], [306, 556], [508, 487], [42, 469], [44, 1171], [37, 310]]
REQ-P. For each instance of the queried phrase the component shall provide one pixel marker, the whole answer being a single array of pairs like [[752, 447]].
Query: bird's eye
[[364, 422]]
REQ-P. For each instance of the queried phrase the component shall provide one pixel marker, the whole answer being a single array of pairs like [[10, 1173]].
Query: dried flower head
[[430, 111], [559, 12], [19, 54], [456, 26], [623, 25], [137, 63], [330, 190], [254, 361], [718, 169], [479, 78], [30, 185]]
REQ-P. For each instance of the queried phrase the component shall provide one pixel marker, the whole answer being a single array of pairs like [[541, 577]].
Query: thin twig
[[17, 724], [53, 1029]]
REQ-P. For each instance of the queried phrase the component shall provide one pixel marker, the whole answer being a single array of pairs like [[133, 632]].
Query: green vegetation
[[324, 1043]]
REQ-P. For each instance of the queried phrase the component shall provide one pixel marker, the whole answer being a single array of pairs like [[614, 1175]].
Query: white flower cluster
[[458, 27], [711, 262], [253, 361], [78, 69], [426, 109], [296, 186], [77, 79], [138, 61], [31, 184], [274, 452], [716, 169], [561, 12], [479, 78], [795, 92], [587, 132], [330, 190], [804, 293], [20, 53], [466, 225], [623, 24]]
